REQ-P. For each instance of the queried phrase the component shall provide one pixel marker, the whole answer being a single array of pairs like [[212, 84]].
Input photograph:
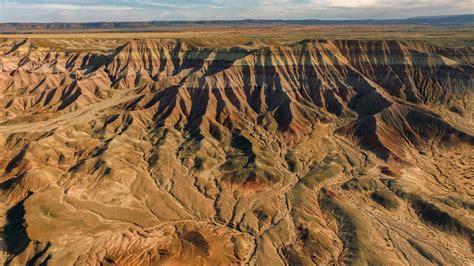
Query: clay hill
[[158, 152]]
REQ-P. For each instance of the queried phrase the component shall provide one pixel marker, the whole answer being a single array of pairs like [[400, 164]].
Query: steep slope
[[161, 152]]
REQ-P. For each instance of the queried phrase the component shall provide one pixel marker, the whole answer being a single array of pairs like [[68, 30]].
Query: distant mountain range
[[467, 19]]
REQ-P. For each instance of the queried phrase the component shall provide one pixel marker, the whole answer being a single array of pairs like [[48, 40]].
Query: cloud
[[134, 10], [68, 7]]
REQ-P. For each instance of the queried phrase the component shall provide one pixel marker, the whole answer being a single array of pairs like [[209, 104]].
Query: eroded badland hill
[[162, 152]]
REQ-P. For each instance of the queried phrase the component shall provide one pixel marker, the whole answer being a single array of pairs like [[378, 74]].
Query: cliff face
[[162, 152]]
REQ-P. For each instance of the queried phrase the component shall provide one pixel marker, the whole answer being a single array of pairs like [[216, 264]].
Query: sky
[[146, 10]]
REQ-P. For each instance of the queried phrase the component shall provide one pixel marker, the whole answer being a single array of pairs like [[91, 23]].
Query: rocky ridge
[[314, 152]]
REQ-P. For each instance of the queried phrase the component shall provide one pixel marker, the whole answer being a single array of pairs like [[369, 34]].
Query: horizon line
[[254, 20]]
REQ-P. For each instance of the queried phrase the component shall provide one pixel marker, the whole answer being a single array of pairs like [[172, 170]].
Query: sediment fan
[[312, 152]]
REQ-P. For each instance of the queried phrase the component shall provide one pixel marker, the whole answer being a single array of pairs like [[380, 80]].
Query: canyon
[[162, 151]]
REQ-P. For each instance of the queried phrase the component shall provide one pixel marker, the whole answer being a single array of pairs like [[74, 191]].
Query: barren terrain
[[294, 146]]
